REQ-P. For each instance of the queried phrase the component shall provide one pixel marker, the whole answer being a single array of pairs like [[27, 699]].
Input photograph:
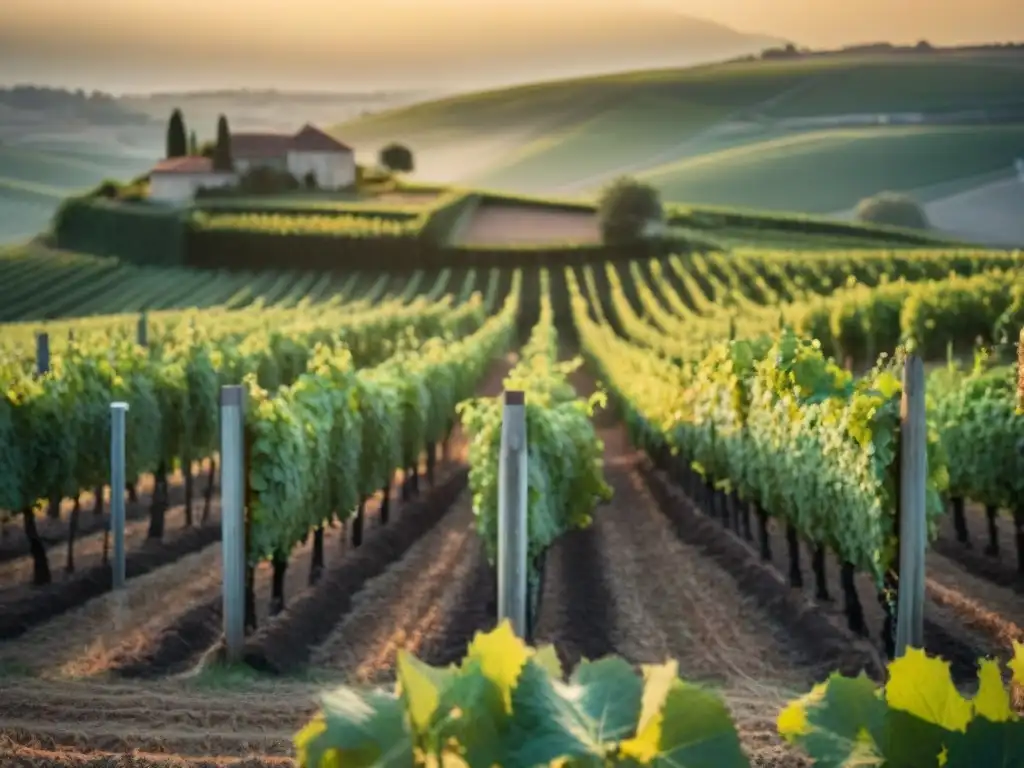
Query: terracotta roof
[[265, 145], [253, 145], [184, 165], [311, 139]]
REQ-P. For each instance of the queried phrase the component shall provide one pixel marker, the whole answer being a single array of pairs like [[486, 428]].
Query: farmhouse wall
[[244, 164], [332, 169], [182, 187]]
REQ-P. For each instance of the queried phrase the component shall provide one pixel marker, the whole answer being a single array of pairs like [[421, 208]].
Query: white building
[[177, 179], [308, 151]]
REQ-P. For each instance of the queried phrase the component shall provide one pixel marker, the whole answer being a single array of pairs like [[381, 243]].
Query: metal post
[[512, 498], [42, 353], [118, 412], [232, 495], [913, 525], [141, 330]]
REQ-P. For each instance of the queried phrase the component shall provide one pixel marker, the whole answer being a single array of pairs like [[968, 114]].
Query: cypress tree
[[222, 160], [193, 143], [177, 145]]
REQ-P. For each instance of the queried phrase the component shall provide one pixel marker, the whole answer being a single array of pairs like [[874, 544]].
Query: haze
[[143, 45]]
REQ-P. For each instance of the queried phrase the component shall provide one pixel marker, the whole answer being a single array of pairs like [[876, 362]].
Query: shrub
[[108, 189], [397, 157], [892, 209], [628, 211], [267, 181]]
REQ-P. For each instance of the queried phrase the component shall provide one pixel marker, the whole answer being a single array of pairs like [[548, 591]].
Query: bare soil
[[164, 719], [430, 603], [1001, 568], [641, 583], [500, 225], [54, 531], [23, 606]]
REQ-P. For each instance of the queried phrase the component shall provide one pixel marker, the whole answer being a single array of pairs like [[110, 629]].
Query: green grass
[[937, 83], [34, 181], [566, 136], [827, 171]]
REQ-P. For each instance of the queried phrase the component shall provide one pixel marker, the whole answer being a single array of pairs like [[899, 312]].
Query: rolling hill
[[813, 134]]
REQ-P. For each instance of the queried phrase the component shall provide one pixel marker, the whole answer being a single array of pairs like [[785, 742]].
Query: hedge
[[137, 232]]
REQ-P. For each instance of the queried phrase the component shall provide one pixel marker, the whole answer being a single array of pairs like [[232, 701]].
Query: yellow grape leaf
[[792, 720], [1017, 663], [547, 659], [658, 679], [923, 687], [992, 701], [420, 687], [501, 655]]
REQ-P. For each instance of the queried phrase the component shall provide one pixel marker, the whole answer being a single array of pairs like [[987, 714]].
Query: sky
[[140, 45]]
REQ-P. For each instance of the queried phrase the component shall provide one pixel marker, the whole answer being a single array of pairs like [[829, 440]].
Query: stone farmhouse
[[177, 179]]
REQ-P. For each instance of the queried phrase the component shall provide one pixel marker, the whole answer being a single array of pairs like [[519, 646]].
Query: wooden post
[[512, 518], [913, 524]]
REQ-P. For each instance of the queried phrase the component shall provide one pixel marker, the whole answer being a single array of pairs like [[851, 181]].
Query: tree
[[629, 211], [892, 209], [309, 180], [397, 157], [193, 143], [177, 144], [222, 160]]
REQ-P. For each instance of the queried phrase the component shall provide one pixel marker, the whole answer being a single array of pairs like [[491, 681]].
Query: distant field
[[499, 224], [46, 284], [742, 133], [35, 177], [825, 171], [572, 136]]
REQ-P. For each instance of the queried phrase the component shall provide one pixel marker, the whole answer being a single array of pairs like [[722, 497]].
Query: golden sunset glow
[[320, 42]]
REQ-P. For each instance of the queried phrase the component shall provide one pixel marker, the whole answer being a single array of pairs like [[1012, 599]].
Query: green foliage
[[565, 478], [261, 180], [918, 720], [304, 414], [893, 210], [1020, 374], [628, 210], [510, 705], [356, 226], [507, 704], [864, 320], [982, 432], [782, 425], [177, 140], [134, 232], [370, 400], [222, 158], [397, 157]]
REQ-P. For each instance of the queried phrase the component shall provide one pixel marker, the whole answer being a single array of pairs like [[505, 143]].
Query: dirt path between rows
[[629, 585], [430, 603]]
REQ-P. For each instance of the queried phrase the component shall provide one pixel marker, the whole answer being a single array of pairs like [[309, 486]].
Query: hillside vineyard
[[713, 477]]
